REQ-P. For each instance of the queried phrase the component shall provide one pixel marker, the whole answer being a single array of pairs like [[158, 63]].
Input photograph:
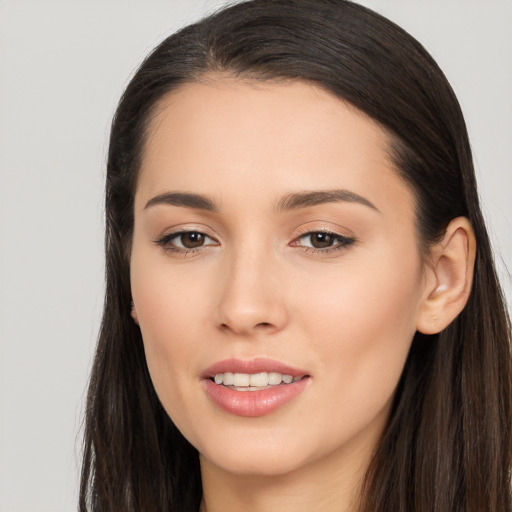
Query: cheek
[[169, 299], [363, 320], [168, 309]]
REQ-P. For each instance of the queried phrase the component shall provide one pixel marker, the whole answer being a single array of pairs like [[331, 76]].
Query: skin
[[257, 289]]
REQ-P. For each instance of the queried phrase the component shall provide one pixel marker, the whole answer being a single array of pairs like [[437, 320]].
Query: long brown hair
[[447, 445]]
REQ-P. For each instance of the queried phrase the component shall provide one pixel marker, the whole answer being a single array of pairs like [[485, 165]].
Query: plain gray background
[[63, 66]]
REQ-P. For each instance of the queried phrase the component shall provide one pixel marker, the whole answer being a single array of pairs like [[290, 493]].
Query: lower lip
[[253, 403]]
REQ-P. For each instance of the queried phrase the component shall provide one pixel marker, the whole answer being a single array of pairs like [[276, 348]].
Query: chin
[[263, 453], [249, 463]]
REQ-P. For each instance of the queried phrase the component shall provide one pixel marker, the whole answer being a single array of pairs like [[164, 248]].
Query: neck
[[327, 485]]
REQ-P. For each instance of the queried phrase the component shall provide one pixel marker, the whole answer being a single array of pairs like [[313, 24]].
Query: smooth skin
[[241, 271]]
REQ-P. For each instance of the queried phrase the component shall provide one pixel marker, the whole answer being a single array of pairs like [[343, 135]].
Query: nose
[[252, 296]]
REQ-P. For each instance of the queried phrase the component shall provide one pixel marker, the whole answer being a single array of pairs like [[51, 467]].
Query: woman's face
[[273, 241]]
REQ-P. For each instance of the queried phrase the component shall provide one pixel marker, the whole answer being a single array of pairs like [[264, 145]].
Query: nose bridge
[[250, 297]]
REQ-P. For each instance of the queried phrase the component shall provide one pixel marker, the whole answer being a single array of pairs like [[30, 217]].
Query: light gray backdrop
[[63, 66]]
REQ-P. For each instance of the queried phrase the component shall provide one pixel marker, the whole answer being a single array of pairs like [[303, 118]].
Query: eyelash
[[166, 242], [341, 242]]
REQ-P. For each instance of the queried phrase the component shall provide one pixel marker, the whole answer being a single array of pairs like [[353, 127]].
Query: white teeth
[[258, 379], [241, 379], [253, 380], [274, 378], [228, 379]]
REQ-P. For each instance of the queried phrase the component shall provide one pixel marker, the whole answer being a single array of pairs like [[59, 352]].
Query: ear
[[133, 313], [449, 277]]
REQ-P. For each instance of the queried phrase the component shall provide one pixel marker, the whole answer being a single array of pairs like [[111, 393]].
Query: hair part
[[447, 445]]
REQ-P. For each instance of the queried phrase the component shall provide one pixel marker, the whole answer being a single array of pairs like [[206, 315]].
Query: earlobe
[[451, 276], [133, 313]]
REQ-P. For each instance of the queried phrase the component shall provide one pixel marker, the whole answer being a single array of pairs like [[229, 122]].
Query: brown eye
[[321, 240], [192, 239], [184, 241]]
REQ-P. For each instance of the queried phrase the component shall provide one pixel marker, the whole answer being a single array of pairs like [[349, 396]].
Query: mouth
[[253, 388], [254, 381]]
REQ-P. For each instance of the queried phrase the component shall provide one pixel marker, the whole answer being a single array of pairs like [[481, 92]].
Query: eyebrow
[[306, 199], [184, 199], [289, 202]]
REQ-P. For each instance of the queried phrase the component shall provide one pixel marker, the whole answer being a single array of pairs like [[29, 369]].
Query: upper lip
[[251, 366]]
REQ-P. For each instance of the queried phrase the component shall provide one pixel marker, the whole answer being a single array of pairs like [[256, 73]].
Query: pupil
[[192, 240], [321, 240]]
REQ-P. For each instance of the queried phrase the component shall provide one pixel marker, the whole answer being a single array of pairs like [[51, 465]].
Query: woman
[[302, 310]]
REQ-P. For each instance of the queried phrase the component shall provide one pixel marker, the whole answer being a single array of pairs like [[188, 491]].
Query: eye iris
[[321, 240], [192, 240]]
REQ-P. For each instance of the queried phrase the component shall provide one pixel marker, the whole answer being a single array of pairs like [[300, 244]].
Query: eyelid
[[164, 240], [323, 227], [344, 239], [186, 228], [333, 234], [178, 234]]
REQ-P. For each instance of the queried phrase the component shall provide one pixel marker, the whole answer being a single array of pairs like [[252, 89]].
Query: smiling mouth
[[254, 381], [253, 387]]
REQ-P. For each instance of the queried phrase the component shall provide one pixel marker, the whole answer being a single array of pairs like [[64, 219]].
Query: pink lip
[[253, 403], [251, 366]]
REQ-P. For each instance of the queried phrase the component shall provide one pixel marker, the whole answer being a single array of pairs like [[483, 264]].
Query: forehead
[[262, 138], [286, 113]]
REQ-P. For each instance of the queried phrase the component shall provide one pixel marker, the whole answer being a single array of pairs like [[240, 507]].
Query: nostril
[[261, 327]]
